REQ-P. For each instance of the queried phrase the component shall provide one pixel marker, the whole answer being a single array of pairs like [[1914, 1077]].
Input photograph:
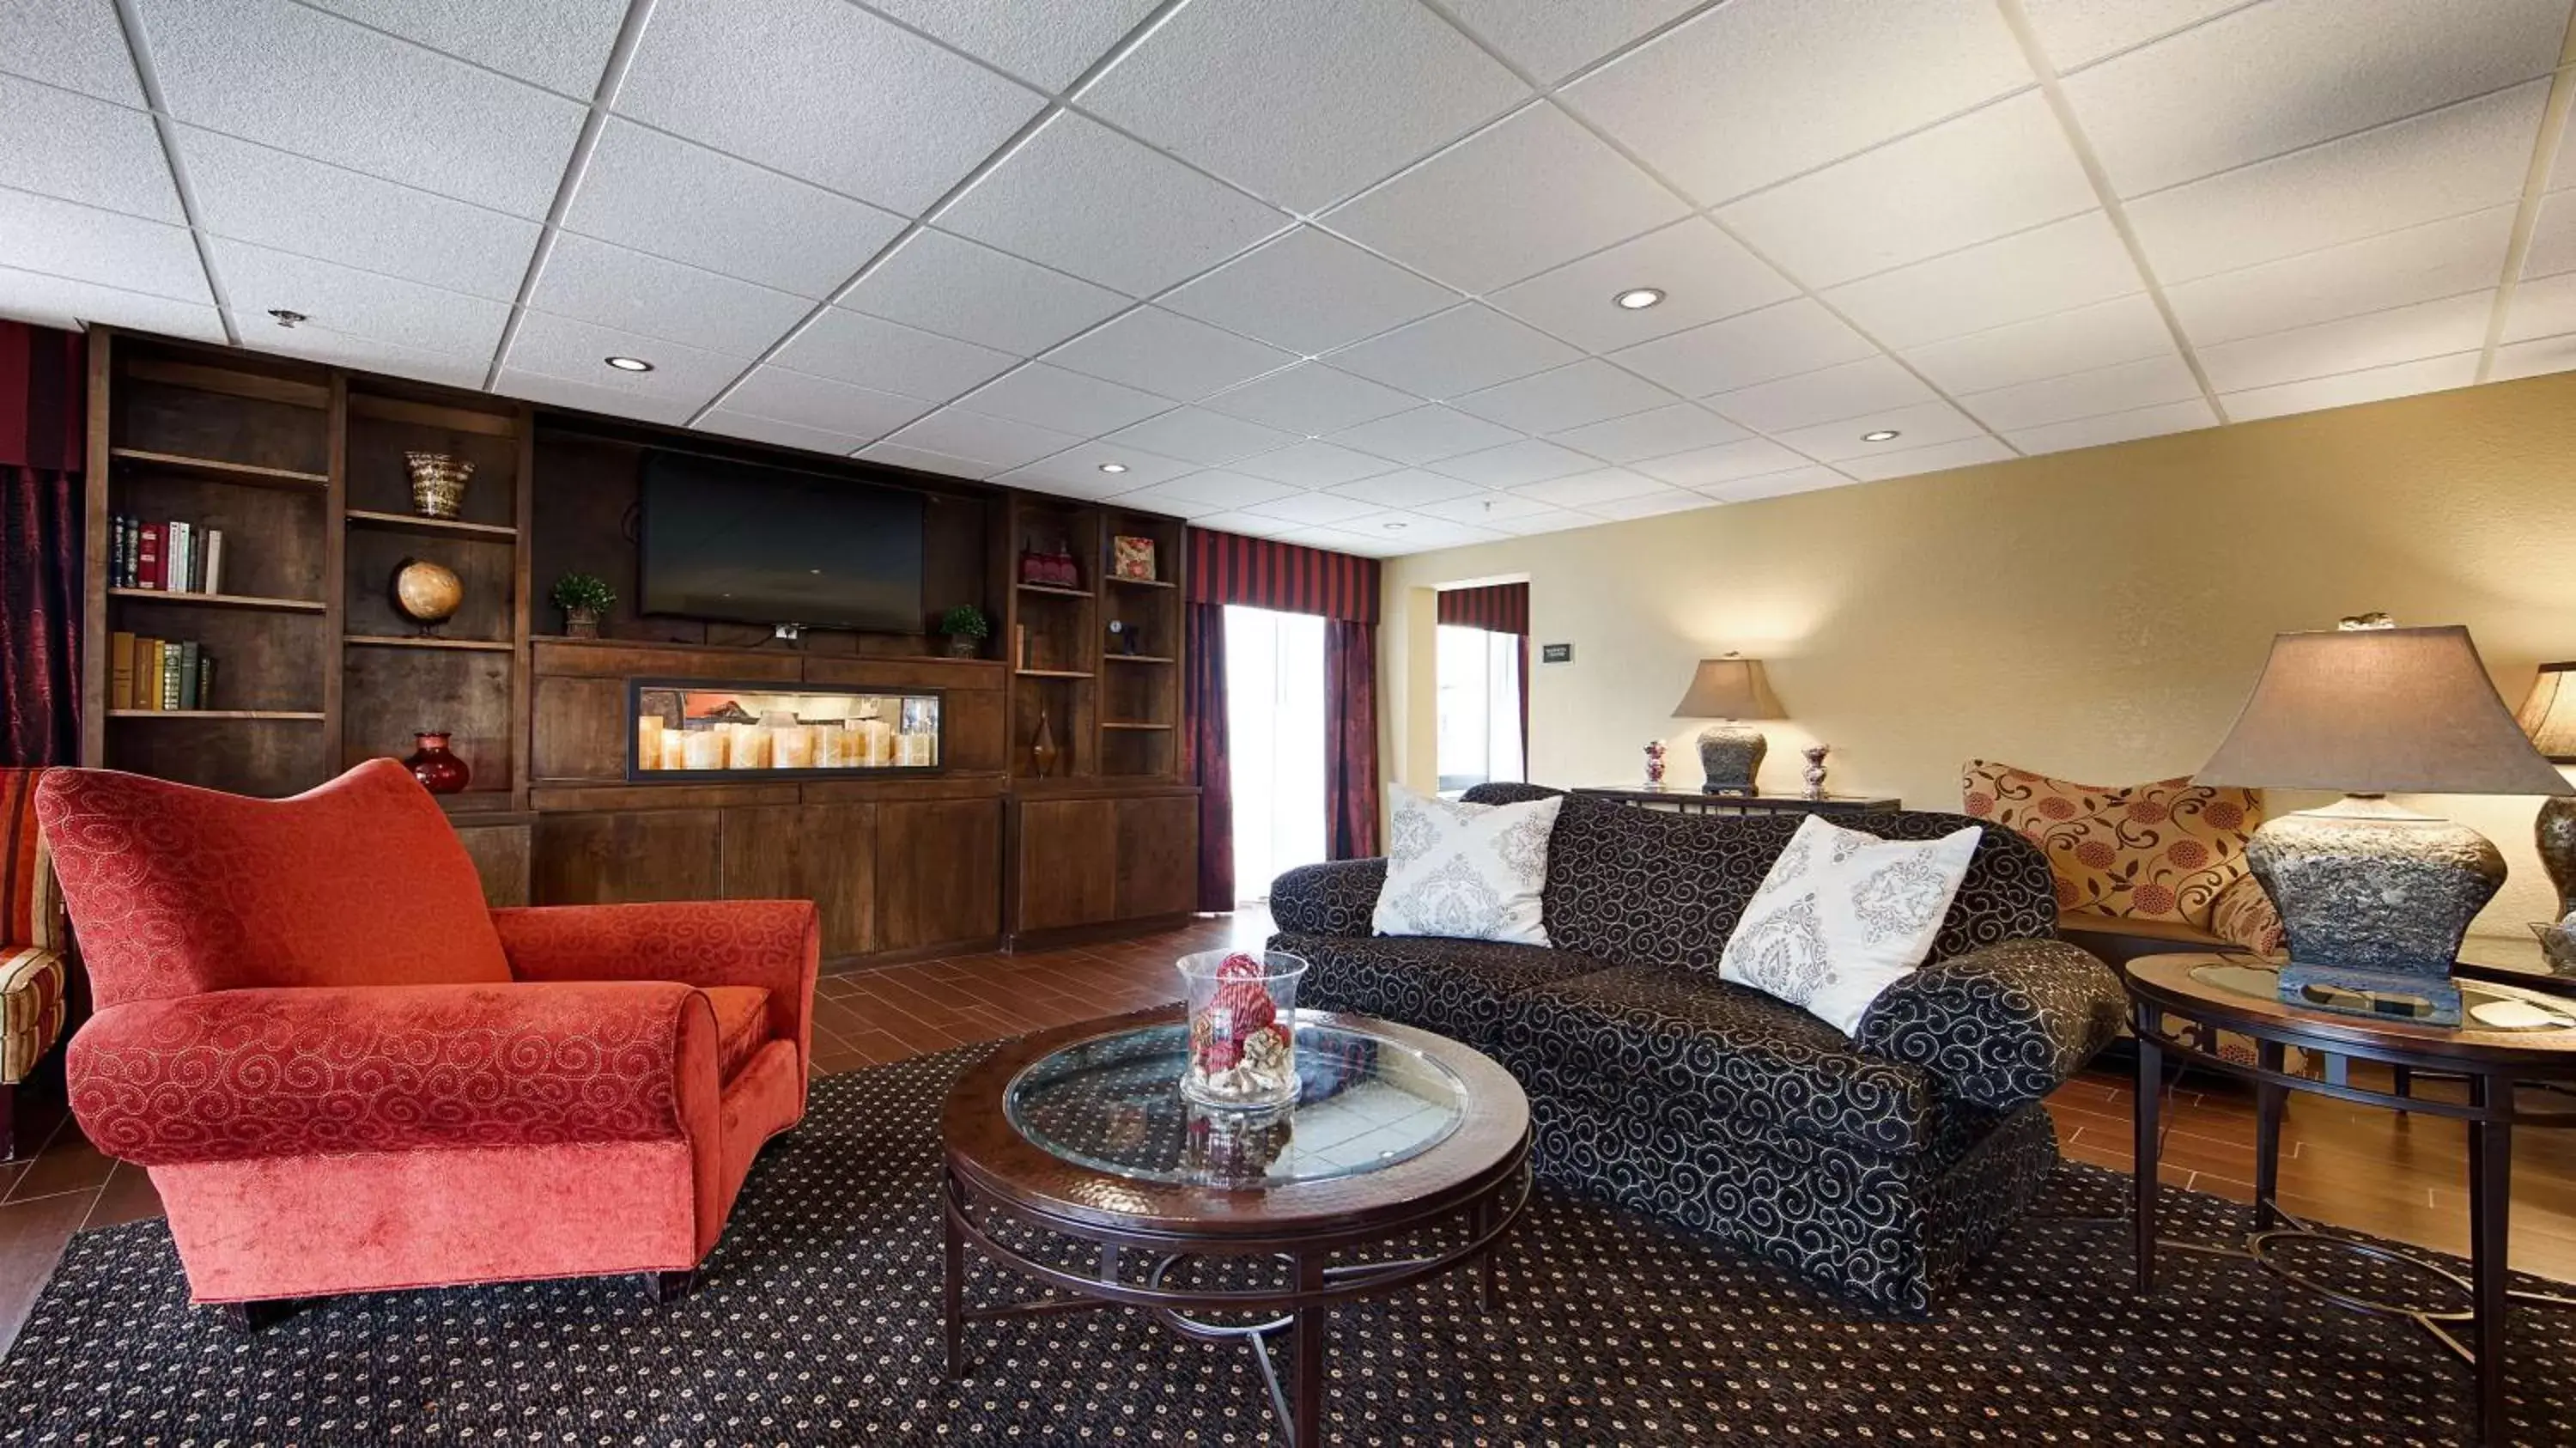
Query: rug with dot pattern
[[818, 1323]]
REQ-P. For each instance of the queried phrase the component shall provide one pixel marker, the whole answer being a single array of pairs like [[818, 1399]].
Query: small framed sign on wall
[[1556, 653]]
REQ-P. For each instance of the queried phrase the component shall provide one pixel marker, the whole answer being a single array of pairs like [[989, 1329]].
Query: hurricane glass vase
[[1242, 1015]]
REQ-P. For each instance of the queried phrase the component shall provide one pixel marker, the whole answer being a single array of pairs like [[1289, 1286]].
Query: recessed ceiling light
[[1638, 299], [1884, 434], [286, 318], [1113, 467], [1393, 527], [630, 364]]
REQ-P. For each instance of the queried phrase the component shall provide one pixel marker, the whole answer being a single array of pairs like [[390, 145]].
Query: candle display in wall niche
[[750, 746], [791, 746], [706, 748], [648, 742]]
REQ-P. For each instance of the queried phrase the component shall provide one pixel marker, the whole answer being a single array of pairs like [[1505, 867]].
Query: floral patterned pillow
[[2161, 851], [1843, 915], [1466, 871]]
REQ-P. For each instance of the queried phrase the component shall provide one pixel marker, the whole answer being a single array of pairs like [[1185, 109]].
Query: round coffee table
[[1081, 1133]]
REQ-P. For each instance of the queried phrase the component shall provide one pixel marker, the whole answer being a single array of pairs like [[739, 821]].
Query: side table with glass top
[[1229, 1224], [2512, 1036]]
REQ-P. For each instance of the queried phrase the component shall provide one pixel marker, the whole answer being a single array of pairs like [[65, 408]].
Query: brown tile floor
[[2399, 1177]]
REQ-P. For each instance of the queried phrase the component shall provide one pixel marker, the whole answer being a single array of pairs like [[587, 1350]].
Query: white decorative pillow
[[1843, 915], [1468, 871]]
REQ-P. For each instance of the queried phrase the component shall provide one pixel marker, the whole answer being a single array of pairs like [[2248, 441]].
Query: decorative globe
[[426, 593]]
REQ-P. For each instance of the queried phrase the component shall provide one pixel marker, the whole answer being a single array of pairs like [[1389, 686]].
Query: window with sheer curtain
[[1275, 716], [1480, 708]]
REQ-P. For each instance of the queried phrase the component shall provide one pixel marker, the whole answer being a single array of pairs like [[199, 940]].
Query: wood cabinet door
[[939, 872], [500, 855], [825, 853], [611, 858], [1067, 863], [1158, 856]]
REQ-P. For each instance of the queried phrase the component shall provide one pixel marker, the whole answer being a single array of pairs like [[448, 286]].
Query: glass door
[[1480, 708], [1274, 668]]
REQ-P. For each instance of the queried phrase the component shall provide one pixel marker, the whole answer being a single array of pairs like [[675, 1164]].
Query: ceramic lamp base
[[1730, 756], [2375, 899]]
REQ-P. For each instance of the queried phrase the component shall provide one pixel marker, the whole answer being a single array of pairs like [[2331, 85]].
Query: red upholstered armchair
[[345, 1074]]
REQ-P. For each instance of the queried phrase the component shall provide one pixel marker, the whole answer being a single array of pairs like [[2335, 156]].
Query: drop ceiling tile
[[1703, 273], [1994, 171], [1728, 462], [1551, 38], [2438, 259], [1424, 435], [951, 286], [1081, 198], [2127, 387], [1303, 104], [1310, 292], [1246, 525], [1872, 384], [1366, 545], [81, 149], [1219, 489], [2543, 307], [1514, 463], [1419, 534], [1940, 457], [1586, 490], [1485, 510], [1310, 399], [2464, 158], [1652, 505], [369, 354], [1044, 42], [771, 430], [1659, 432], [859, 413], [1313, 464], [2533, 359], [1587, 391], [256, 280], [823, 91], [608, 401], [2377, 339], [2269, 79], [77, 44], [2553, 234], [1810, 479], [1918, 428], [111, 248], [1315, 510], [1546, 520], [1077, 470], [662, 195], [562, 45], [1159, 500], [1163, 352], [1210, 439], [1065, 401], [2064, 264], [1752, 93], [895, 454], [275, 199], [2123, 329], [866, 351], [1780, 341], [2114, 427], [361, 99], [570, 351], [1457, 351], [1405, 488], [2375, 384], [60, 302], [978, 437], [1593, 197], [592, 281], [2074, 33]]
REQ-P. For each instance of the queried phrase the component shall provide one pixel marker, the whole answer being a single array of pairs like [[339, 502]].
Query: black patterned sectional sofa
[[1877, 1166]]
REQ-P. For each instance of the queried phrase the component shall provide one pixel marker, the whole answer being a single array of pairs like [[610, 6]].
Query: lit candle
[[706, 748], [791, 747], [876, 742], [675, 748], [829, 752], [913, 749], [750, 746], [648, 742]]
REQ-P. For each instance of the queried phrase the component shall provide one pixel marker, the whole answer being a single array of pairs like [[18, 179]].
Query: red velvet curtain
[[1350, 739], [43, 410], [1210, 760]]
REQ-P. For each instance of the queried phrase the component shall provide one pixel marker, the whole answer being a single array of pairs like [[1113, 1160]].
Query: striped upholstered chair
[[32, 946]]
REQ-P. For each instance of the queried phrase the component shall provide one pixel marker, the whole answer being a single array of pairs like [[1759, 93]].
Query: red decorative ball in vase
[[438, 771]]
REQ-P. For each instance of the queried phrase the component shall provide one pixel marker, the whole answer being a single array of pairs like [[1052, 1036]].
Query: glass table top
[[2489, 1007], [1113, 1103]]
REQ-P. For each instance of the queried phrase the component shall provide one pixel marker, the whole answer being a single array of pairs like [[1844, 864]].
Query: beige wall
[[2098, 615]]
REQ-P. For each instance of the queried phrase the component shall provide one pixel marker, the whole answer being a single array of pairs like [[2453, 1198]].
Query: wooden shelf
[[1142, 582], [436, 527], [1053, 589], [314, 715], [1130, 724], [399, 641], [219, 469], [1136, 658], [1052, 673], [221, 600]]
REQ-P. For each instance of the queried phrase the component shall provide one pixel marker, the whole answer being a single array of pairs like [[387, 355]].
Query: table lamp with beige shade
[[1730, 689], [2549, 717], [2374, 897]]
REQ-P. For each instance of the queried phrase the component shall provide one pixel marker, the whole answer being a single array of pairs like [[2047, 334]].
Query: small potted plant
[[967, 629], [583, 597]]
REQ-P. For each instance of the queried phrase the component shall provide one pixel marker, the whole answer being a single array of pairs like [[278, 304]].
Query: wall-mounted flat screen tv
[[751, 544]]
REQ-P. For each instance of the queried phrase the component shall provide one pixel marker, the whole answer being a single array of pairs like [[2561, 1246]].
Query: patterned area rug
[[818, 1324]]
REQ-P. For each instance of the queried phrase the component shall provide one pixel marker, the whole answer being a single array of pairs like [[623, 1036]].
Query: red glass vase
[[438, 771]]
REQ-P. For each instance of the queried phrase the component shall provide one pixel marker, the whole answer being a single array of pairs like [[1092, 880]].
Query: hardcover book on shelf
[[187, 681], [147, 673], [174, 541], [169, 675], [205, 681], [147, 556], [120, 670], [210, 579]]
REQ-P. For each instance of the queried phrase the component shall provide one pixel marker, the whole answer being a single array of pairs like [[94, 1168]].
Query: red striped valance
[[1495, 608], [42, 411], [1264, 573]]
